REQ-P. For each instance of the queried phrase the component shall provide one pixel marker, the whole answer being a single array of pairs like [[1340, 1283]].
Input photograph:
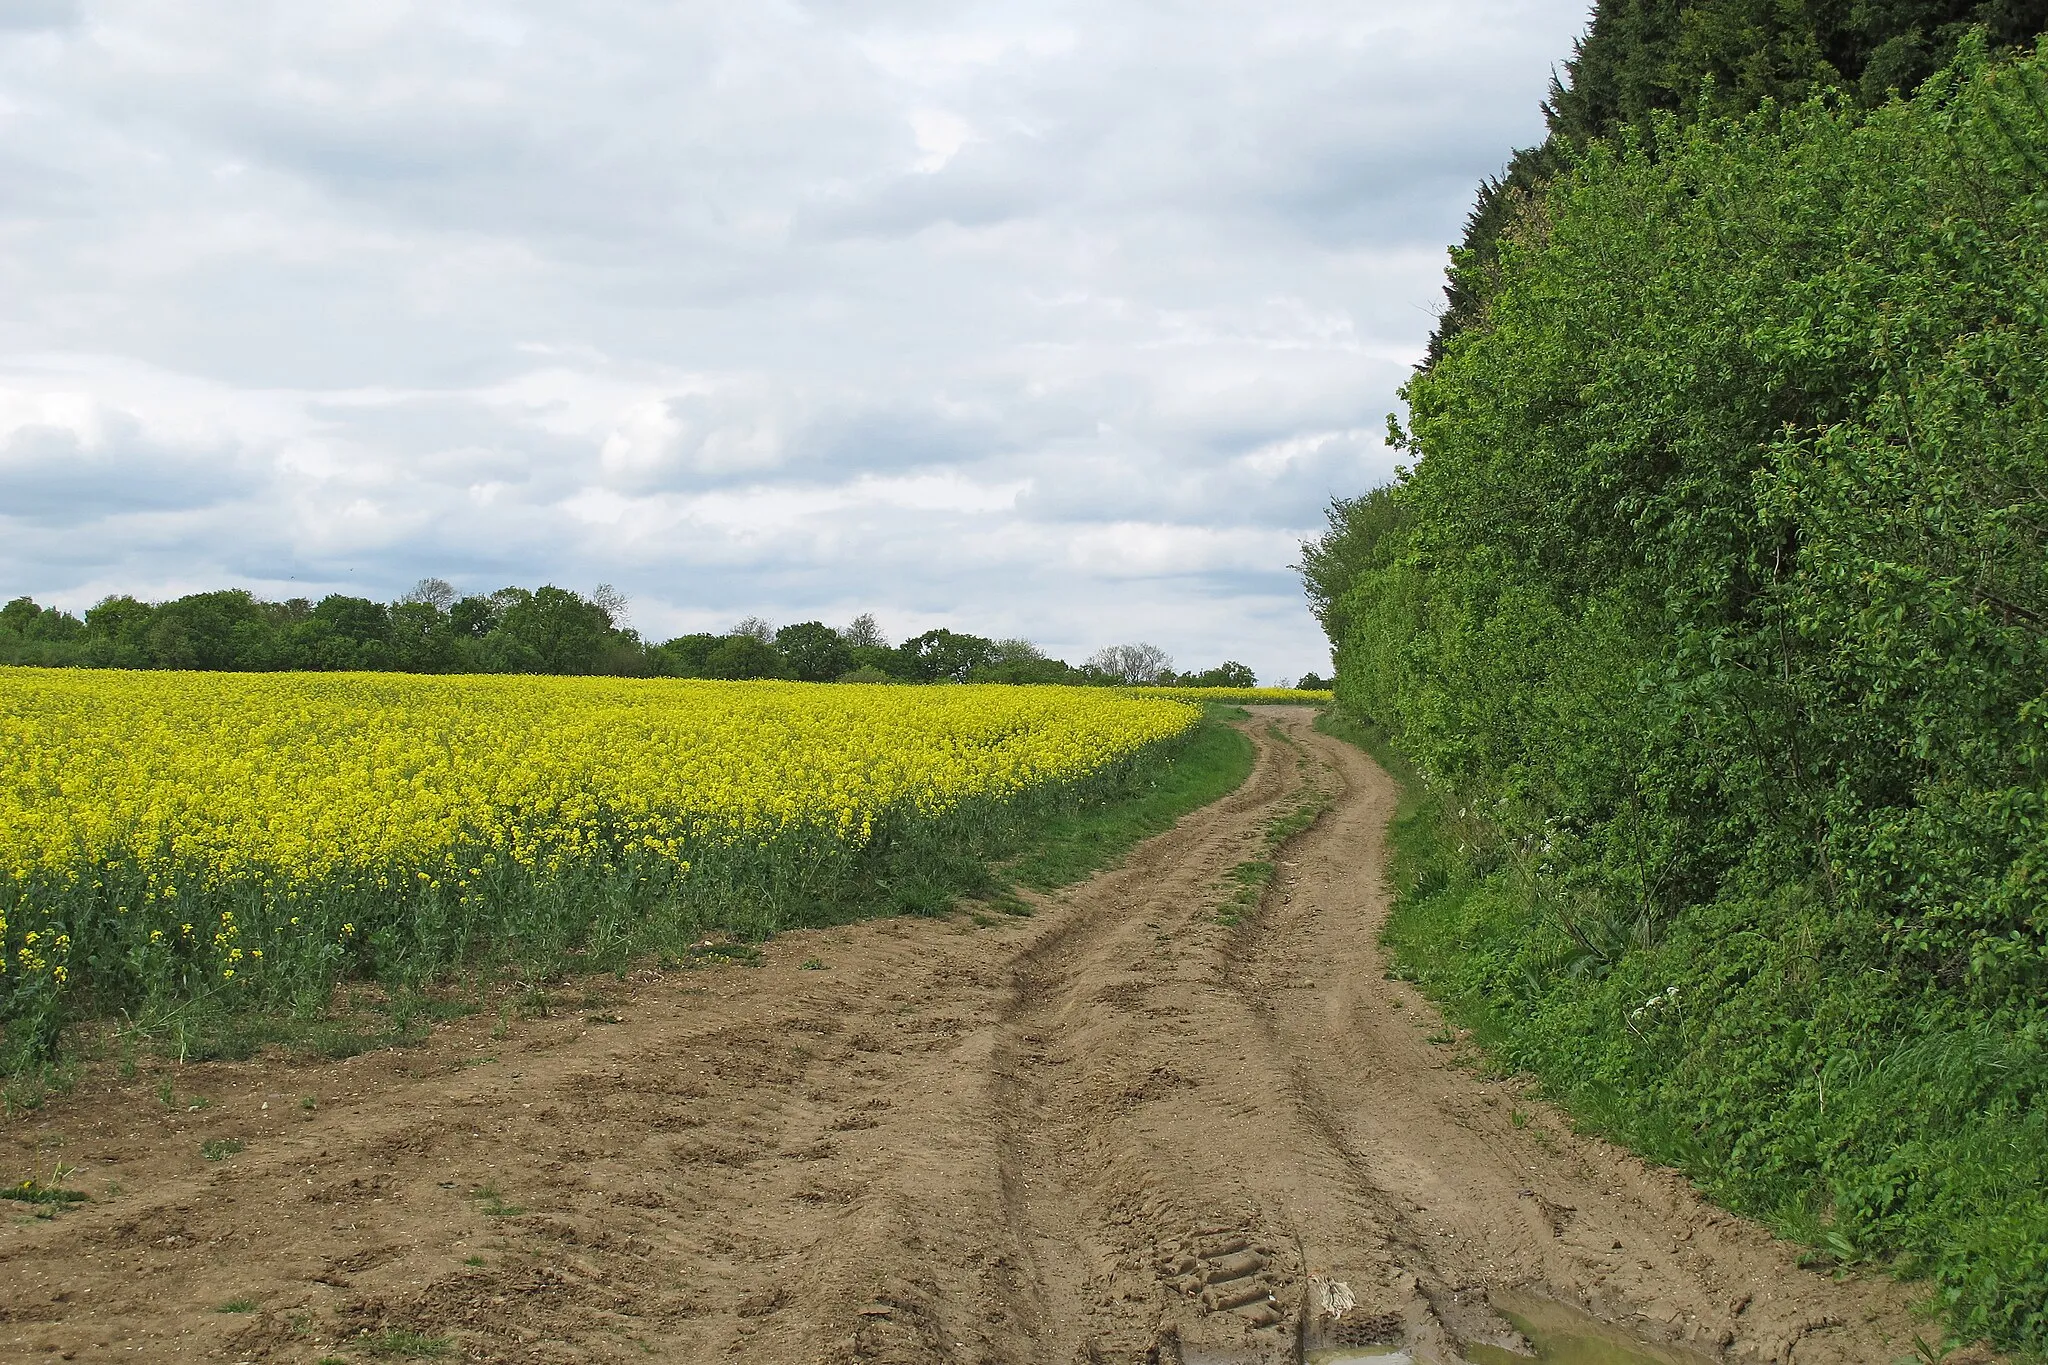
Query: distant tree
[[556, 631], [341, 633], [437, 593], [1230, 673], [17, 616], [686, 656], [1016, 650], [32, 634], [421, 639], [739, 657], [813, 651], [1132, 665], [473, 617], [611, 602], [1314, 682], [29, 621], [212, 630], [862, 633], [945, 656], [1038, 670], [117, 633], [755, 628]]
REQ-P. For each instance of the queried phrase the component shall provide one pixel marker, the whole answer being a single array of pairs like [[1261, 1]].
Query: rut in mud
[[1123, 1129]]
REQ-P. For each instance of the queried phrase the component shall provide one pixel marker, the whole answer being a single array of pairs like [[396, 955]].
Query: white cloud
[[1034, 317]]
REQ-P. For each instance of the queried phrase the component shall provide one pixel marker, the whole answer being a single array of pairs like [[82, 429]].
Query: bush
[[1715, 612]]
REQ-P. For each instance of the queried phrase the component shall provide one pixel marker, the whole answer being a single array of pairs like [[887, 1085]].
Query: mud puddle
[[1563, 1335], [1128, 1125]]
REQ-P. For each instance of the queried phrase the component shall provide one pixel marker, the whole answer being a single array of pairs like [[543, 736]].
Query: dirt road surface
[[1118, 1130]]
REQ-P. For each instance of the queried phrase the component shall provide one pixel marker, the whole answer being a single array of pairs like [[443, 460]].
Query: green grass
[[237, 1305], [1928, 1157], [219, 1149], [1066, 845], [399, 1344], [34, 1192], [492, 1204]]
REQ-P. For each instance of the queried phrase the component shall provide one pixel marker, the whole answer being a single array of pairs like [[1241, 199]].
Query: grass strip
[[1066, 845]]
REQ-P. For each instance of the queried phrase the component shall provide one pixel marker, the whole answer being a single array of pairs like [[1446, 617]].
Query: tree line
[[433, 629], [1713, 608]]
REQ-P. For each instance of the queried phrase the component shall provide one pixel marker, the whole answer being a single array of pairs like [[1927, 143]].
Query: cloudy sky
[[1032, 318]]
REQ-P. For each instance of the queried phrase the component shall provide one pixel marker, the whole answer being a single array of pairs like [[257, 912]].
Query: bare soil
[[1119, 1130]]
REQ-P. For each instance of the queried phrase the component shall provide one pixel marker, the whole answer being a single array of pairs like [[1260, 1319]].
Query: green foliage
[[1714, 618], [1641, 59], [1229, 673], [1063, 846], [814, 652]]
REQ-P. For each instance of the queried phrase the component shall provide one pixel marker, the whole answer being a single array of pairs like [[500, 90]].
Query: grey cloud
[[50, 476], [1040, 317]]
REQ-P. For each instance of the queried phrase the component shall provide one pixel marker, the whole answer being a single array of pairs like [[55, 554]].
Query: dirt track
[[1028, 1142]]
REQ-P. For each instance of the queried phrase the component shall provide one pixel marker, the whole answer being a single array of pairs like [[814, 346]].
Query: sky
[[1053, 320]]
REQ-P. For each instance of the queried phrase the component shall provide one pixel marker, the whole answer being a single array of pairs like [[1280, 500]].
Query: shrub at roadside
[[1714, 615]]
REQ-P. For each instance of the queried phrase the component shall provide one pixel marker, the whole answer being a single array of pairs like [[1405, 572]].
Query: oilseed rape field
[[253, 838]]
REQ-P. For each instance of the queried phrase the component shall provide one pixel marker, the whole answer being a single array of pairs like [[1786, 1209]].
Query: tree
[[472, 618], [437, 593], [740, 657], [862, 633], [814, 651], [212, 630], [1133, 665], [421, 640], [1644, 58], [1230, 673], [686, 656], [1363, 531], [945, 656], [755, 628], [556, 631], [611, 602]]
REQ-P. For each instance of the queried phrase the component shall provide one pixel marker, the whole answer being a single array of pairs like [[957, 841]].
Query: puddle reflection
[[1562, 1335]]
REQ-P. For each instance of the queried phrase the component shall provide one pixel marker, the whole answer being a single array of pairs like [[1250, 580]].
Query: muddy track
[[1122, 1129]]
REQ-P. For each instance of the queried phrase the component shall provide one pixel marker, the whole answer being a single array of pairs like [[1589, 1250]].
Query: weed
[[308, 1103], [398, 1344], [1519, 1118], [237, 1305], [219, 1149], [474, 1260], [492, 1204], [1924, 1354], [812, 964], [35, 1192]]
